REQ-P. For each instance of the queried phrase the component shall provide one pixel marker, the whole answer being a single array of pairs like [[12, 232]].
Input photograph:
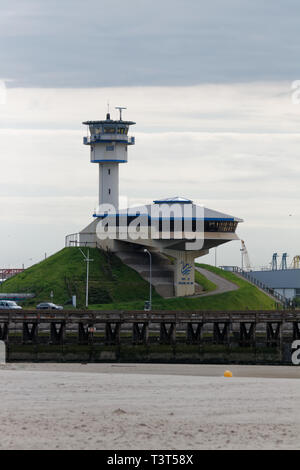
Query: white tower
[[108, 140]]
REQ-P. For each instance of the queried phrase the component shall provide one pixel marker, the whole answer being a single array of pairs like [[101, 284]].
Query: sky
[[209, 85]]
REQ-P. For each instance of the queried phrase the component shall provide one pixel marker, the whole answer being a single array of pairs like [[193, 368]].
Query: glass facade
[[160, 224], [109, 130], [220, 226]]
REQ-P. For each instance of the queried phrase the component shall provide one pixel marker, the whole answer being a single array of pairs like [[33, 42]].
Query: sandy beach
[[148, 406]]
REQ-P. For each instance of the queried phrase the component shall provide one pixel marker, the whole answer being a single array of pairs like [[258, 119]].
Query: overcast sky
[[75, 43], [209, 85]]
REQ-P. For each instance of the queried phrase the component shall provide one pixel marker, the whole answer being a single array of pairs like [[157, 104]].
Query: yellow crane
[[296, 262]]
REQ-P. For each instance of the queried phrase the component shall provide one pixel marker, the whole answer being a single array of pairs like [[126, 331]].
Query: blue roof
[[173, 200]]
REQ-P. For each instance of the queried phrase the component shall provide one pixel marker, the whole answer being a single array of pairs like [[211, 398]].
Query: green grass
[[113, 285], [247, 297], [207, 285], [64, 273]]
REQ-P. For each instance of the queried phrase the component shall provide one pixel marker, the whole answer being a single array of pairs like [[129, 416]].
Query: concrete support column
[[184, 274]]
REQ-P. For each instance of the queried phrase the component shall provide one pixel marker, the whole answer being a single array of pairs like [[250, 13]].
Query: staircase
[[162, 269]]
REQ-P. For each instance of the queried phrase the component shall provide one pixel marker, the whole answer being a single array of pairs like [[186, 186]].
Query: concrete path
[[222, 284]]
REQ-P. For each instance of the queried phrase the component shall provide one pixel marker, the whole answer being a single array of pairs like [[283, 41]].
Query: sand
[[146, 406]]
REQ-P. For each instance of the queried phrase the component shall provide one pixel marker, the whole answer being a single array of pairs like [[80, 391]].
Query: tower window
[[109, 191], [110, 148], [109, 171], [109, 130]]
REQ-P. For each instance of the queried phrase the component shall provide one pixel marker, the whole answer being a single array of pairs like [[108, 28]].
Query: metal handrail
[[264, 287], [73, 239]]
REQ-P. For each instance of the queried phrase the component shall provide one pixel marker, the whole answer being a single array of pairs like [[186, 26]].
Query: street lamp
[[23, 265], [87, 260], [150, 277]]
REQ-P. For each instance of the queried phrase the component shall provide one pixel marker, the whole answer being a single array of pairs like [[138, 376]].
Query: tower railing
[[93, 139]]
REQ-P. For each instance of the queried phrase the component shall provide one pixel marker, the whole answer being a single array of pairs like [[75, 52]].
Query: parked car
[[9, 304], [48, 306]]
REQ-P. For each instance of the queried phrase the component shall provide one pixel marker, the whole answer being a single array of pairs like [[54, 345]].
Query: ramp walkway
[[223, 285]]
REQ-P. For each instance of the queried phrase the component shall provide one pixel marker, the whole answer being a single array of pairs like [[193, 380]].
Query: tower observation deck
[[108, 141]]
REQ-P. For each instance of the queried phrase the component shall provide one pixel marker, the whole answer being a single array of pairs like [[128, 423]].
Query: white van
[[9, 304]]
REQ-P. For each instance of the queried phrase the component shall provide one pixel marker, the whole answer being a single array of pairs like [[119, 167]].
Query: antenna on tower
[[120, 108]]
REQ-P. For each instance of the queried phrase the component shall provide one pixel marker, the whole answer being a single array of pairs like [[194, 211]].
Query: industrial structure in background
[[283, 264], [295, 264], [281, 277], [172, 250], [246, 265]]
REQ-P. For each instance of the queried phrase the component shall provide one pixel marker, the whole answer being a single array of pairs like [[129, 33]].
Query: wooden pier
[[245, 328]]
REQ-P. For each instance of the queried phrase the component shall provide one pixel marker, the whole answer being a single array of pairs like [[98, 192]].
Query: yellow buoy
[[227, 373]]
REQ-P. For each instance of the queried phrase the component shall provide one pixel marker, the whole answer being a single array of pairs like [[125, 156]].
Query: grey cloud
[[45, 191], [97, 43]]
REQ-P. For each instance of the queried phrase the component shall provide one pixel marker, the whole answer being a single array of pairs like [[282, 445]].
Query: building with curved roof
[[172, 228]]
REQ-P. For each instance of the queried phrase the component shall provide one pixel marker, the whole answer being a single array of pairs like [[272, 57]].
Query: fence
[[73, 239], [247, 275]]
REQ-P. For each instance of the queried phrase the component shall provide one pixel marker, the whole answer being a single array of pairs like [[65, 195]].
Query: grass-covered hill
[[64, 273], [247, 297], [113, 285]]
